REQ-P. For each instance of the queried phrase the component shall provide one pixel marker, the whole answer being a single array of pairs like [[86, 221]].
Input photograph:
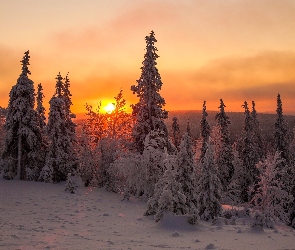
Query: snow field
[[36, 215]]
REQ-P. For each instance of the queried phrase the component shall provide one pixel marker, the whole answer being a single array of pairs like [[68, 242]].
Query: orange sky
[[209, 49]]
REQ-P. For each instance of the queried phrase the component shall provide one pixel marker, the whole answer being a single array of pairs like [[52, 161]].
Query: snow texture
[[38, 215]]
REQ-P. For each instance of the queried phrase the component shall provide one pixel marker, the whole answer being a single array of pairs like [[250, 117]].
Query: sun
[[110, 107]]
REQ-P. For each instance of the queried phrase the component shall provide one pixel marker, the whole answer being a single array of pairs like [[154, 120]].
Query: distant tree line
[[134, 155]]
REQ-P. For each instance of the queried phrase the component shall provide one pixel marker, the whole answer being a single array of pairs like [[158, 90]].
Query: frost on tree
[[153, 161], [61, 158], [270, 197], [168, 196], [250, 157], [104, 138], [117, 140], [281, 135], [234, 191], [258, 140], [148, 112], [3, 112], [70, 185], [209, 188], [93, 130], [175, 132], [186, 175], [24, 147], [224, 156], [40, 108], [205, 132]]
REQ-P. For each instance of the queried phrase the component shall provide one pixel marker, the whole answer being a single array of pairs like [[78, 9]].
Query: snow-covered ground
[[43, 216]]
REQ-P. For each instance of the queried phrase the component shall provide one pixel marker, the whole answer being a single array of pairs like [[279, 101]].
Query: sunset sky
[[209, 49]]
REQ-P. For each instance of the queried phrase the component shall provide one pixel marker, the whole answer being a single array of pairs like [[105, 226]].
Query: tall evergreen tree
[[281, 135], [167, 196], [205, 132], [283, 145], [61, 158], [175, 132], [209, 188], [225, 156], [249, 157], [23, 134], [148, 112], [153, 161], [40, 108], [270, 197], [257, 133], [186, 175]]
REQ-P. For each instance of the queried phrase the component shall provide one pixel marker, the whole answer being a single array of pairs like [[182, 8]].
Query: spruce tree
[[205, 132], [209, 188], [61, 158], [283, 145], [148, 112], [224, 157], [40, 108], [153, 161], [258, 140], [168, 196], [270, 197], [186, 175], [281, 135], [22, 155], [175, 132], [249, 157]]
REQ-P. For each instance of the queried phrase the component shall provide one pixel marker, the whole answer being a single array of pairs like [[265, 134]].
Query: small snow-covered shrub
[[70, 184], [257, 220], [32, 174], [270, 197]]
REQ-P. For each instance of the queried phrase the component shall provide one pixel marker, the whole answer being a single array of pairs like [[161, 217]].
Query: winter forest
[[139, 157]]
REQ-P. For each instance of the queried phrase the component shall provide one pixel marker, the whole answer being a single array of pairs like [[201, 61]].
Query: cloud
[[259, 77], [133, 22]]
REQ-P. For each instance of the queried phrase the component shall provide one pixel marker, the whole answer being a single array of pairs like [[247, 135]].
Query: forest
[[174, 165]]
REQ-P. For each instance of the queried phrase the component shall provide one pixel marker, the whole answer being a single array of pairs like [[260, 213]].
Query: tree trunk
[[19, 154]]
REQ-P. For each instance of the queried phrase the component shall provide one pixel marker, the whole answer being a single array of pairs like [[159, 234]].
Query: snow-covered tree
[[130, 174], [168, 196], [224, 157], [70, 184], [175, 132], [205, 132], [94, 129], [40, 108], [139, 173], [61, 158], [258, 140], [67, 97], [3, 112], [23, 144], [270, 197], [117, 140], [119, 122], [71, 126], [249, 157], [104, 137], [281, 134], [153, 160], [186, 175], [148, 112], [234, 191], [209, 188]]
